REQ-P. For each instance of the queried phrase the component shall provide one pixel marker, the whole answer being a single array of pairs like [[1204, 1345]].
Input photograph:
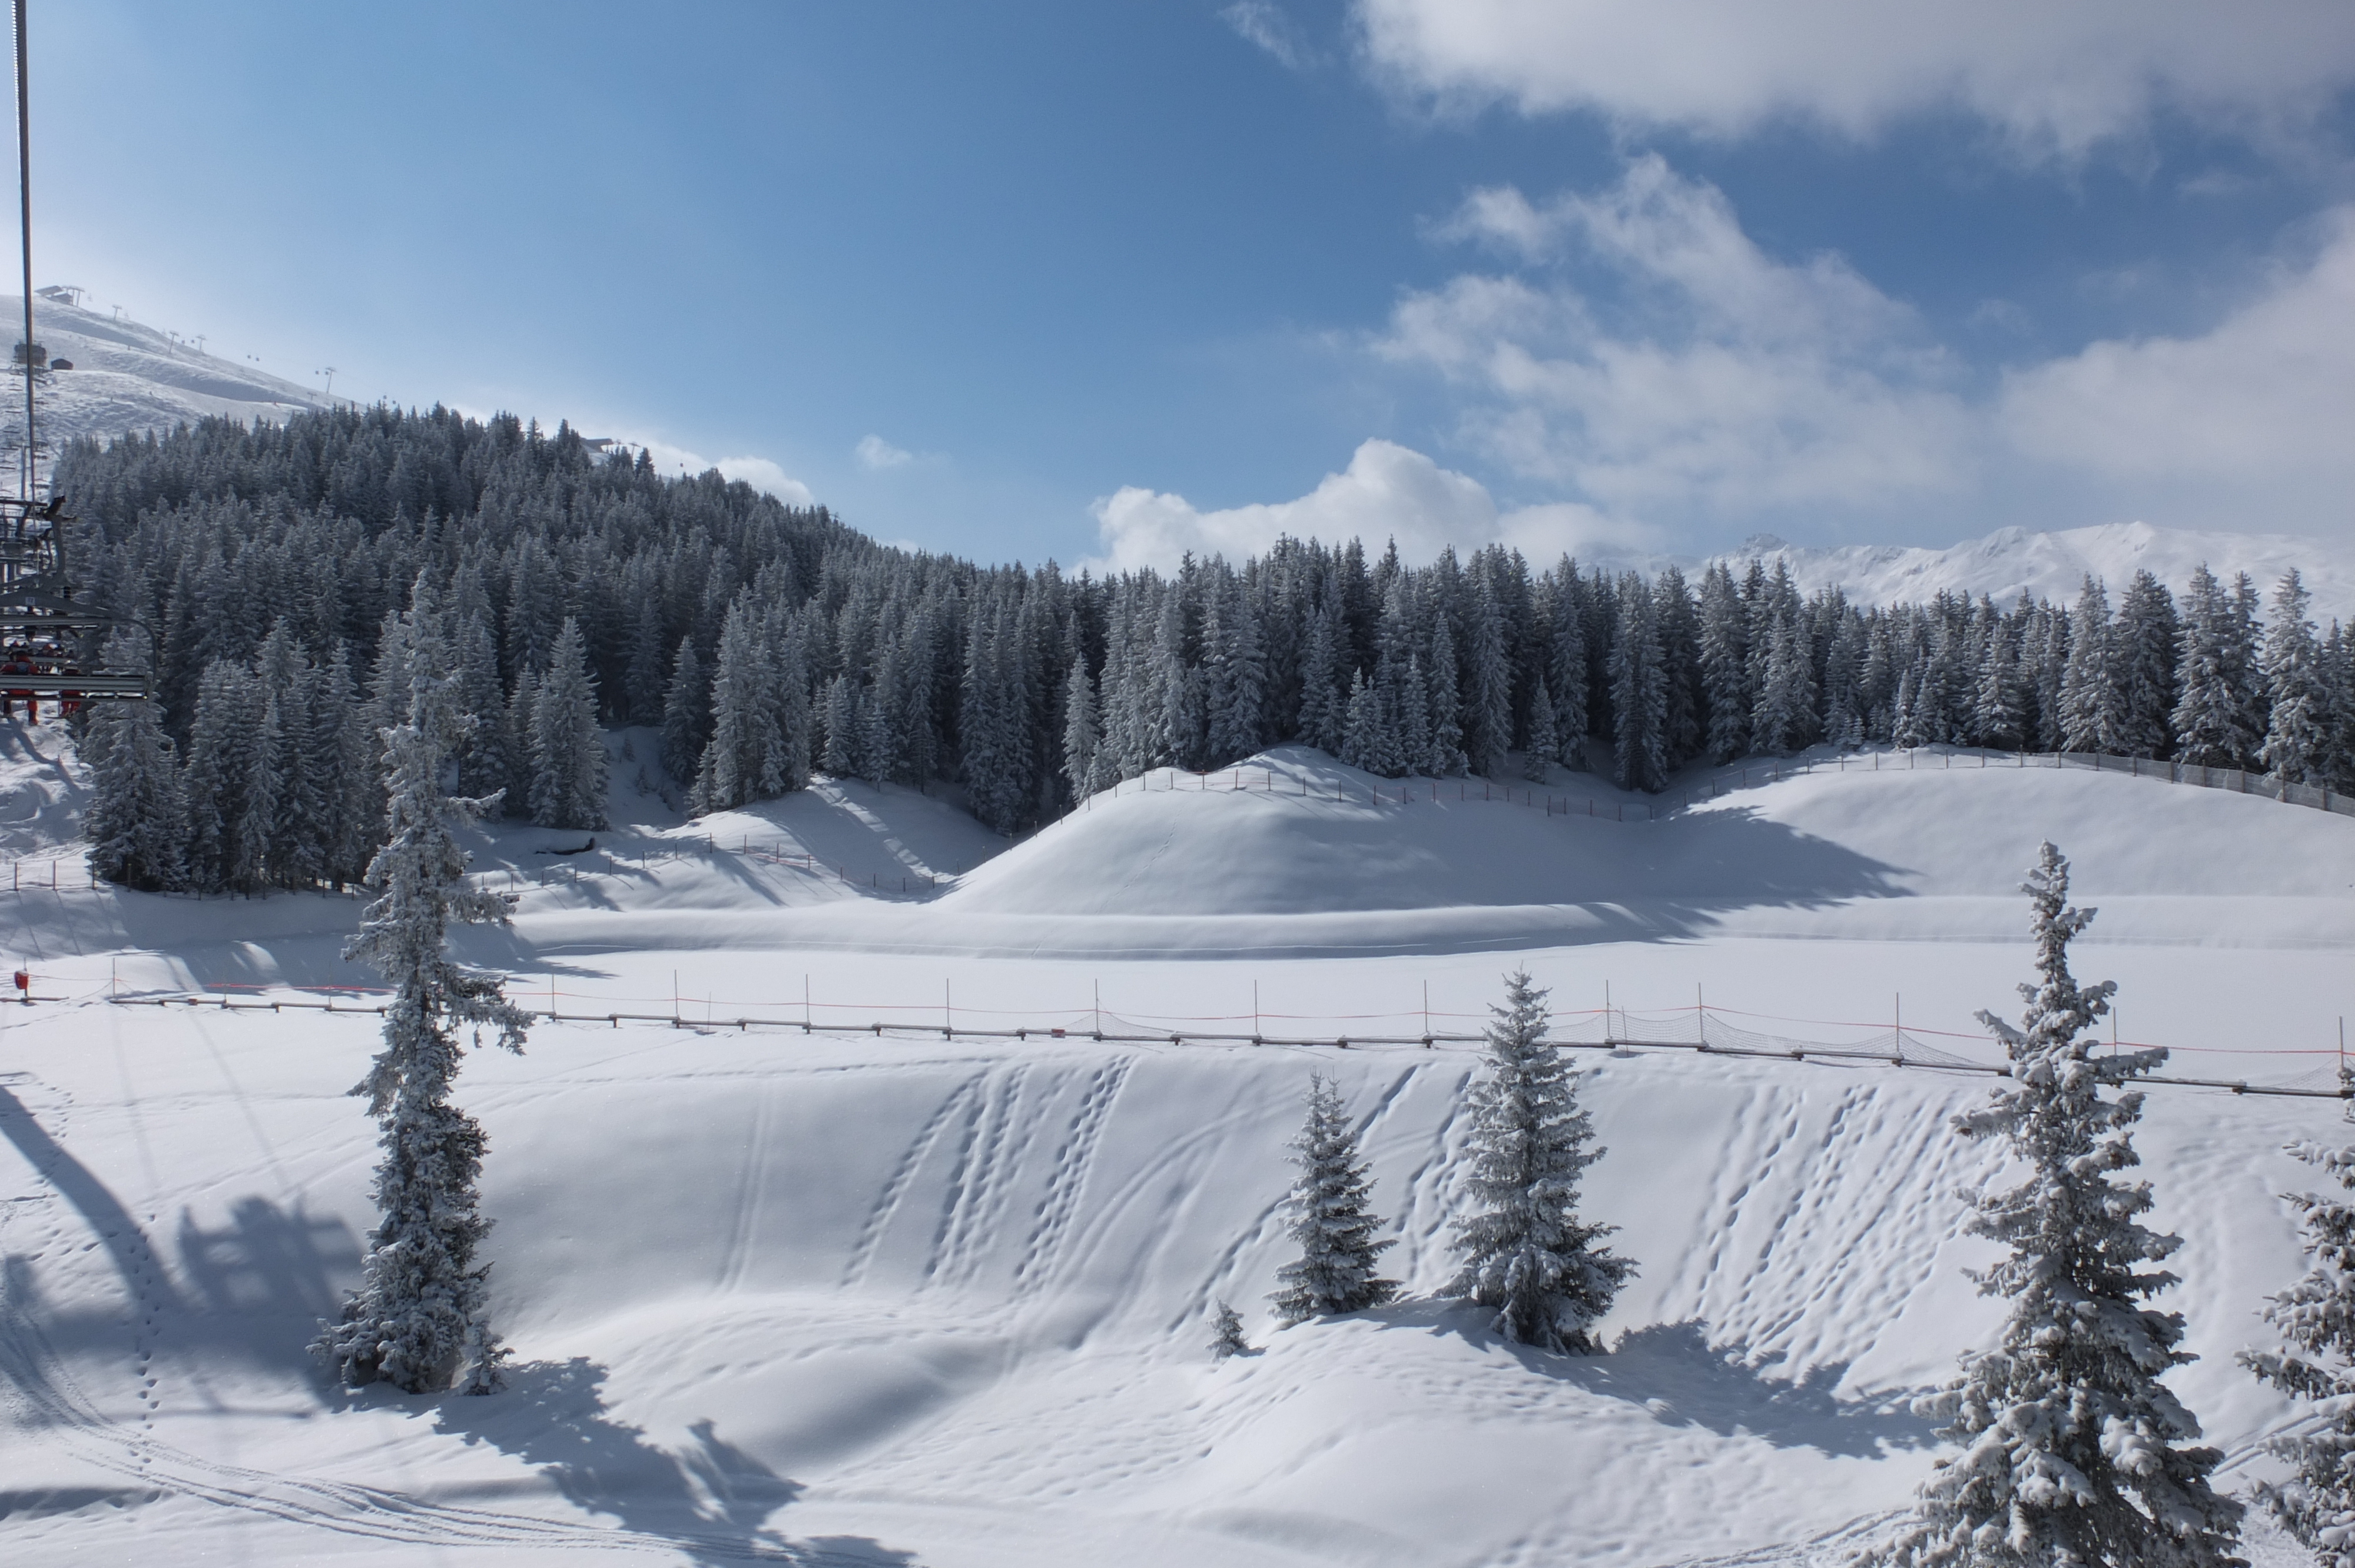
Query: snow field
[[891, 1299], [918, 1286]]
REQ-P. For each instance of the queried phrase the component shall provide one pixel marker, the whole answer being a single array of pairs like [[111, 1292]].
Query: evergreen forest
[[261, 573]]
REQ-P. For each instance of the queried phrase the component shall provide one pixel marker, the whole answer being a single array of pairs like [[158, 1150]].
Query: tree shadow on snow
[[1673, 1371], [711, 1502]]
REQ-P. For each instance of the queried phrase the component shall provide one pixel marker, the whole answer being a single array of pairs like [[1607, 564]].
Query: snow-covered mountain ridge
[[2011, 561]]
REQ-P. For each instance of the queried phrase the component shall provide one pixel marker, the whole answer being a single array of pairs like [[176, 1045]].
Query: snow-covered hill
[[2052, 565], [128, 377], [907, 1297]]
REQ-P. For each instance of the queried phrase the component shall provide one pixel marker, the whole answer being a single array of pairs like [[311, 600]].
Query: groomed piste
[[919, 1297]]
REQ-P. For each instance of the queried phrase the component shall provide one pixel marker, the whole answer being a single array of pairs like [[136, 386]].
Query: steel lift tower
[[44, 628]]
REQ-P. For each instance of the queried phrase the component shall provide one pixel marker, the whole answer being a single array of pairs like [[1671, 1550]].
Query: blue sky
[[1110, 281]]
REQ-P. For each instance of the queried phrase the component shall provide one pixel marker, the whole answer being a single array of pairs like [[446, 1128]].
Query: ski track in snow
[[895, 1190]]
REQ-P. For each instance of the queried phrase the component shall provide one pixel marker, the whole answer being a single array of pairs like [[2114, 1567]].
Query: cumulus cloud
[[1388, 492], [2257, 409], [2053, 77], [1718, 379], [1642, 359], [1267, 24], [877, 454], [760, 472]]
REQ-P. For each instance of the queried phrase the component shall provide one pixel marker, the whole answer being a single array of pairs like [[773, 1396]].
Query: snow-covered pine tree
[[1524, 1251], [1332, 1221], [1227, 1335], [1544, 743], [1414, 718], [2210, 718], [1240, 701], [1082, 736], [567, 752], [486, 758], [227, 760], [2316, 1317], [2085, 686], [1361, 738], [1566, 673], [1488, 682], [1639, 701], [1447, 757], [2298, 732], [1784, 718], [417, 1320], [134, 823], [1323, 706], [2073, 1451], [2243, 659], [687, 714], [2142, 669], [1997, 701], [743, 714]]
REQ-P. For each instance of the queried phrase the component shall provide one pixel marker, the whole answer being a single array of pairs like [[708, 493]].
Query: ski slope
[[129, 378], [924, 1297]]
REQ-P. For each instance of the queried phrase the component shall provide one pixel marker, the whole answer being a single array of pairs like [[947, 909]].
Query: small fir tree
[[2073, 1451], [1524, 1251], [2317, 1318], [1227, 1335], [1332, 1221], [417, 1321]]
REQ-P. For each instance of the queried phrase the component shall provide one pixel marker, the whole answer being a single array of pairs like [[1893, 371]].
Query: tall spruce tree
[[2087, 689], [2073, 1451], [1333, 1223], [2315, 1318], [1639, 699], [2210, 716], [567, 752], [1526, 1253], [134, 823], [417, 1321], [2298, 731], [1082, 736]]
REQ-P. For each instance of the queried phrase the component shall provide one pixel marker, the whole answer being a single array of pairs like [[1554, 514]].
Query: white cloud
[[877, 454], [2053, 75], [1718, 380], [1388, 492], [1688, 382], [759, 472], [2259, 407], [1262, 23]]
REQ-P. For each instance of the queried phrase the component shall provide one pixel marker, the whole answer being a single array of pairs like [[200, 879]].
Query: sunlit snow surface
[[915, 1298]]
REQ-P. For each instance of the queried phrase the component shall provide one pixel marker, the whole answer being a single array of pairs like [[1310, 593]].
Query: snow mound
[[1293, 833]]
